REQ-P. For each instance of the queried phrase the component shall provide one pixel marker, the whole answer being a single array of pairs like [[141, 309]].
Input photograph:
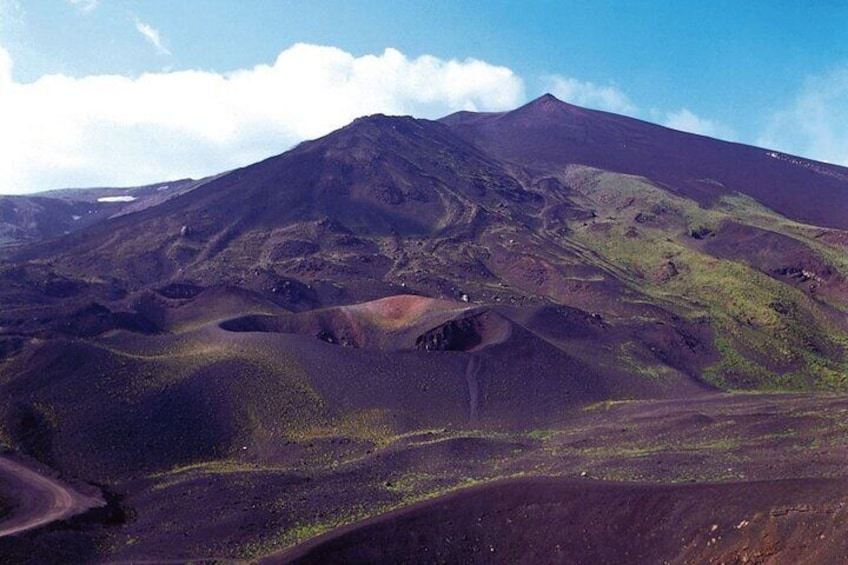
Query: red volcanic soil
[[391, 323], [780, 256], [568, 521]]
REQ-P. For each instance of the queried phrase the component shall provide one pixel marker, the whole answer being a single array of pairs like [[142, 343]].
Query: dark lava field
[[549, 335]]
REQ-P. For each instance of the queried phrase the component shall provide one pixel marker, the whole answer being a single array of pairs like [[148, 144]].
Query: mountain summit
[[548, 135]]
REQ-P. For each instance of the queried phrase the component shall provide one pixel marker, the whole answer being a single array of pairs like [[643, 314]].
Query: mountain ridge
[[388, 205], [631, 146]]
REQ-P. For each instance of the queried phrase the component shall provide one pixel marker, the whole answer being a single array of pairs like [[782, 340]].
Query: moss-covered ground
[[718, 438], [770, 333]]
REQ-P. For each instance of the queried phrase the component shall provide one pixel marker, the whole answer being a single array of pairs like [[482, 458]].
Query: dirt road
[[38, 499]]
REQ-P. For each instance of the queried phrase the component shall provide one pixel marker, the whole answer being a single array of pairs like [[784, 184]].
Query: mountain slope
[[47, 215], [406, 307], [538, 205], [545, 135]]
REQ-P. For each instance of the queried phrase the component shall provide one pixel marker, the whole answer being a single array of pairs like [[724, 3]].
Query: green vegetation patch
[[770, 335]]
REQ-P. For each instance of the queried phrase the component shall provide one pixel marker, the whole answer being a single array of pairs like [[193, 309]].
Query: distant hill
[[51, 214]]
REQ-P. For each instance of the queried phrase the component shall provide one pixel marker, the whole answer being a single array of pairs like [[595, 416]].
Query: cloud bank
[[114, 130], [591, 95], [685, 120], [816, 122], [110, 130], [609, 98]]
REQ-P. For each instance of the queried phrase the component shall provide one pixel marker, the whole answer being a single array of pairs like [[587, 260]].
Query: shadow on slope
[[561, 521]]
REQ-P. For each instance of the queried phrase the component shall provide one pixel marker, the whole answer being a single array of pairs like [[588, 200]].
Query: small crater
[[702, 233], [179, 291]]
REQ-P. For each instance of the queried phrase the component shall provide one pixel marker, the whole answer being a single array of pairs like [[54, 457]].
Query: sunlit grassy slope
[[771, 333]]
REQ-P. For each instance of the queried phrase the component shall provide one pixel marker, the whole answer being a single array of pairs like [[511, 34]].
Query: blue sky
[[119, 92]]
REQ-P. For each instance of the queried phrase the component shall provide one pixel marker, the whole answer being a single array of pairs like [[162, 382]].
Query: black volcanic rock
[[547, 134], [527, 207], [398, 178], [381, 178]]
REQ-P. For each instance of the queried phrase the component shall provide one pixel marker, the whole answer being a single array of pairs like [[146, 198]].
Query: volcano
[[333, 339]]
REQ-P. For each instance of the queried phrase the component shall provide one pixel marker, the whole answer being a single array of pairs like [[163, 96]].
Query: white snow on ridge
[[110, 199]]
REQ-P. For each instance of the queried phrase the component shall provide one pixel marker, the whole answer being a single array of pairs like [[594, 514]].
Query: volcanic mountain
[[405, 307], [25, 219]]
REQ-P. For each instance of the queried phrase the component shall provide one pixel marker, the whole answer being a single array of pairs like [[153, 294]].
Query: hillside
[[52, 214], [405, 308]]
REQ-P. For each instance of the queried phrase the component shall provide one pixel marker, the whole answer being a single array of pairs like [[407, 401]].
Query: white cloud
[[611, 99], [685, 120], [112, 130], [152, 36], [591, 95], [83, 5], [816, 123]]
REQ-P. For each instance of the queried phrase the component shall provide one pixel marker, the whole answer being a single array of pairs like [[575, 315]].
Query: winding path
[[38, 499]]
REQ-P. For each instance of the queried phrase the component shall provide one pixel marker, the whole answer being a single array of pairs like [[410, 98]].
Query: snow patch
[[110, 199]]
